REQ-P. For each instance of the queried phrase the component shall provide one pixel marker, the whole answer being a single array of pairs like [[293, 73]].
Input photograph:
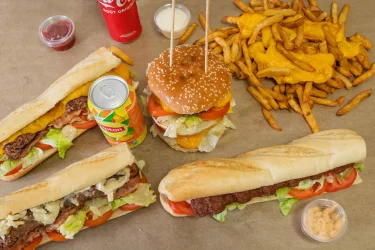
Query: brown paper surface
[[27, 68]]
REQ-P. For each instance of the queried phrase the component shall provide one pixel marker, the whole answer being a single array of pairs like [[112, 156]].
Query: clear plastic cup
[[178, 31], [322, 204], [57, 32]]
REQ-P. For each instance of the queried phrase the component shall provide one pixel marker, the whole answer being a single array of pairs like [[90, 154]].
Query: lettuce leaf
[[192, 120], [132, 74], [73, 224], [210, 139], [175, 123], [4, 229], [98, 207], [221, 216], [8, 166], [282, 192], [286, 204], [46, 214], [3, 158], [307, 184], [232, 104], [58, 140], [33, 156], [360, 166], [140, 164], [143, 196]]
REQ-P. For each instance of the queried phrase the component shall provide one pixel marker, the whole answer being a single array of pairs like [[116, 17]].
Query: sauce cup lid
[[58, 19]]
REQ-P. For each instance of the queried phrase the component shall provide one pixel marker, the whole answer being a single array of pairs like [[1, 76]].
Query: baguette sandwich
[[322, 162], [48, 124], [85, 194]]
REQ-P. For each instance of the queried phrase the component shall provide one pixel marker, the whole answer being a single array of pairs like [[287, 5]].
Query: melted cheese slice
[[322, 63], [191, 141], [43, 121]]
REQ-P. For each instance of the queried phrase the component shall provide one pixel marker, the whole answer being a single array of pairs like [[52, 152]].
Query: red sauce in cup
[[57, 32]]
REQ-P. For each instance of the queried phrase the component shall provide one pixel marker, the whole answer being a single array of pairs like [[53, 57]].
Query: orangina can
[[114, 104]]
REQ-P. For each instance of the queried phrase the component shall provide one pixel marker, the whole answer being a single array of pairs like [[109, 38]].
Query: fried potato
[[325, 102], [364, 76], [329, 36], [211, 37], [269, 98], [334, 13], [344, 14], [217, 50], [355, 68], [363, 58], [229, 30], [310, 15], [306, 110], [346, 81], [293, 21], [363, 40], [266, 36], [284, 12], [226, 48], [287, 43], [233, 68], [246, 55], [243, 67], [275, 33], [259, 98], [270, 119], [335, 52], [318, 93], [235, 48], [230, 19], [340, 100], [293, 59], [187, 33], [299, 39], [265, 23], [242, 6], [272, 72], [335, 83], [344, 71], [202, 20], [354, 102], [324, 87], [294, 105], [121, 54], [275, 95], [307, 91]]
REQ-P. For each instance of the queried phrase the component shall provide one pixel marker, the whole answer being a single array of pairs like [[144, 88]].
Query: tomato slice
[[155, 109], [215, 113], [55, 236], [336, 186], [181, 207], [43, 146], [144, 179], [84, 125], [130, 207], [306, 194], [98, 221], [130, 81], [15, 170], [35, 243]]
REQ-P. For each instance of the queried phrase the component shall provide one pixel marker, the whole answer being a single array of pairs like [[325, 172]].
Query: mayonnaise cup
[[163, 20]]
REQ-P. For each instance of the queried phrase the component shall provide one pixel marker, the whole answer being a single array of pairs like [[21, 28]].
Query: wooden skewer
[[206, 38], [172, 35]]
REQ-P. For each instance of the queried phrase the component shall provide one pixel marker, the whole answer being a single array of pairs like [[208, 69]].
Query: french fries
[[121, 54], [242, 6], [303, 34], [271, 121], [354, 102], [202, 20], [187, 33], [259, 98]]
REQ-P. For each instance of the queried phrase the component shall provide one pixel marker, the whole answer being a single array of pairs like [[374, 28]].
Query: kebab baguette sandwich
[[323, 162], [48, 124], [85, 194], [189, 107]]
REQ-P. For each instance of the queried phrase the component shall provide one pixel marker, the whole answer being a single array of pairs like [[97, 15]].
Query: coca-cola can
[[122, 19]]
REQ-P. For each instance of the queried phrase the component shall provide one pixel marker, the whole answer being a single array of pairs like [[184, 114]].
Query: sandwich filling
[[331, 181], [126, 190], [55, 129], [197, 132]]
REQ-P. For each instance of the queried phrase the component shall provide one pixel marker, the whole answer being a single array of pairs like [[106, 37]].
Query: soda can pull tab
[[107, 92]]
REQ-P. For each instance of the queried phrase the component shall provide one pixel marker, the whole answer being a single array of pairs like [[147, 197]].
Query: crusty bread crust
[[95, 65], [46, 153], [307, 156], [164, 200], [73, 178]]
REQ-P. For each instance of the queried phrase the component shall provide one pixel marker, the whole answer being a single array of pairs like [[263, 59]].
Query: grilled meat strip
[[216, 204]]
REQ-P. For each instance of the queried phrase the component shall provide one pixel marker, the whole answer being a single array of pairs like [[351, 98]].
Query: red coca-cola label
[[111, 130], [122, 19]]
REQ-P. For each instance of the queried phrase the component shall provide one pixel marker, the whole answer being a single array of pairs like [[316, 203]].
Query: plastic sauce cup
[[57, 32], [163, 20], [322, 216]]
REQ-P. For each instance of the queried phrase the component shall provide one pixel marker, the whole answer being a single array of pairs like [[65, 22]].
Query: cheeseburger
[[188, 106]]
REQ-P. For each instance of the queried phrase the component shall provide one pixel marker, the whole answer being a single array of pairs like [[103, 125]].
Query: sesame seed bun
[[185, 88]]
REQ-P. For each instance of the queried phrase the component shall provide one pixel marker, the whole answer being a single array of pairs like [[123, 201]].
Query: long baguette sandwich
[[48, 124], [322, 162], [85, 194]]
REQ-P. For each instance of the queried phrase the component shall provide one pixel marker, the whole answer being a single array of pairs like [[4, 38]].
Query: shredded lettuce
[[286, 204], [98, 207], [232, 104], [140, 164], [132, 74], [16, 220], [3, 158], [343, 175], [192, 120], [282, 192], [143, 196], [175, 123], [69, 132], [221, 216], [46, 214], [73, 224], [33, 156], [4, 229], [8, 166], [58, 140], [210, 139], [307, 184], [360, 166]]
